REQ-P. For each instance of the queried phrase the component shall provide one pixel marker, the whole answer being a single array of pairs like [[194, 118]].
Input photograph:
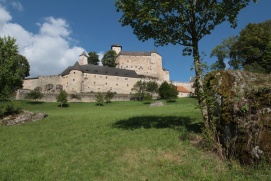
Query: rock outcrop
[[239, 104], [23, 117]]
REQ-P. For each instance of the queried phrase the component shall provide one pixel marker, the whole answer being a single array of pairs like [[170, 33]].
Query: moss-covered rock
[[239, 105]]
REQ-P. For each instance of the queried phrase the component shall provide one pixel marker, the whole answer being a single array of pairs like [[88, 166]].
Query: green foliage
[[152, 87], [34, 95], [140, 90], [109, 95], [168, 91], [13, 68], [222, 51], [253, 48], [99, 99], [93, 58], [62, 98], [143, 89], [109, 59], [179, 22], [9, 109]]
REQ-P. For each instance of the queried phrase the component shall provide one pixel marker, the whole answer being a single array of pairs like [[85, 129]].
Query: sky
[[52, 34]]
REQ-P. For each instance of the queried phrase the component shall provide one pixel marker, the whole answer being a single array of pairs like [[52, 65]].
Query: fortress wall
[[85, 97], [104, 83], [142, 65], [30, 83], [44, 80], [74, 82]]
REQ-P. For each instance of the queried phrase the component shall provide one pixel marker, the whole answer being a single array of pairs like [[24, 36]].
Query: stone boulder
[[239, 104], [157, 104], [23, 117]]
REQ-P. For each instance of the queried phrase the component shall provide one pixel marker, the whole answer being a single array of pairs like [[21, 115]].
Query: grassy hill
[[118, 141]]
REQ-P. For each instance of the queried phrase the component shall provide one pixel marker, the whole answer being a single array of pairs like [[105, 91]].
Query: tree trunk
[[199, 81]]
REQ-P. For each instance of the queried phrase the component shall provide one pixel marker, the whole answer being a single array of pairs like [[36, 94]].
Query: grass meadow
[[117, 141]]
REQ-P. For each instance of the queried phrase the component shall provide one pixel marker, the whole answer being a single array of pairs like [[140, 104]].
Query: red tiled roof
[[182, 89]]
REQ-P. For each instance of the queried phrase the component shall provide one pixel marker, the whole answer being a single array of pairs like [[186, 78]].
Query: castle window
[[127, 85], [131, 66], [105, 83], [117, 84], [73, 72], [105, 77], [100, 76], [135, 66], [94, 82], [126, 78], [73, 80]]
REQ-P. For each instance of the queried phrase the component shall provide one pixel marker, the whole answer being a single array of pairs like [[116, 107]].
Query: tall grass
[[118, 141]]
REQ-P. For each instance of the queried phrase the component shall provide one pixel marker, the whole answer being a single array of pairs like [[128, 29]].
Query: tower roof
[[83, 54]]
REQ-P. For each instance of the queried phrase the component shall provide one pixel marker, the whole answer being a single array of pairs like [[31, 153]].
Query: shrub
[[34, 94], [99, 99], [109, 95], [62, 98]]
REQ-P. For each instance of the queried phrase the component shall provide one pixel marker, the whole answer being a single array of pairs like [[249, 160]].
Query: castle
[[85, 78]]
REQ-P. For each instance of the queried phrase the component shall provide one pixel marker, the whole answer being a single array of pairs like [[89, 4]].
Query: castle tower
[[83, 58], [117, 48]]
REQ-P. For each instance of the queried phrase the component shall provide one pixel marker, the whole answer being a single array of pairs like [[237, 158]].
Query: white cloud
[[17, 5], [4, 16], [49, 52]]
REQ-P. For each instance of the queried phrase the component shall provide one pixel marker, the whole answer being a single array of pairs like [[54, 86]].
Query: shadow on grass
[[34, 102], [64, 105], [159, 122]]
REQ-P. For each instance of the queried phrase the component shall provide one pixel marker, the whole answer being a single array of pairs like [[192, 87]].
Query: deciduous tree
[[62, 98], [183, 22], [222, 52], [34, 95], [93, 58], [13, 68], [253, 48], [109, 59], [168, 91]]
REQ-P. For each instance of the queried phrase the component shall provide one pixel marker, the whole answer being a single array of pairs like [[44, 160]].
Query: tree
[[109, 95], [168, 91], [109, 59], [140, 90], [253, 48], [13, 68], [145, 90], [62, 98], [99, 99], [34, 94], [222, 52], [183, 22], [93, 58], [152, 87]]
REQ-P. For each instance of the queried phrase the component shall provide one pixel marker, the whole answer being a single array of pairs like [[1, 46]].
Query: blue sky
[[52, 34]]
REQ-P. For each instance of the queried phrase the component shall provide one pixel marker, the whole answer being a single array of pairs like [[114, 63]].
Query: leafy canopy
[[109, 59], [252, 50], [93, 58], [168, 91], [34, 94], [13, 68], [62, 98]]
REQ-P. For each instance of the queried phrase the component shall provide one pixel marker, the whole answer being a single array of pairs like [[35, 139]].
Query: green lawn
[[118, 141]]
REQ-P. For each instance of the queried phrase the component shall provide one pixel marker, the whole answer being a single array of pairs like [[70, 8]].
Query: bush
[[62, 98], [168, 91], [109, 95], [34, 94], [99, 99]]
